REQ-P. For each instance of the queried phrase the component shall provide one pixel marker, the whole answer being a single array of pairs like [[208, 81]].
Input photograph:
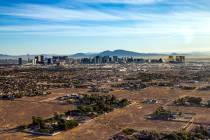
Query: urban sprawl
[[105, 98], [62, 60]]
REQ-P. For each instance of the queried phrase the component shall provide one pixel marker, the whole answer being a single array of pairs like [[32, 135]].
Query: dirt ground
[[20, 111], [14, 113]]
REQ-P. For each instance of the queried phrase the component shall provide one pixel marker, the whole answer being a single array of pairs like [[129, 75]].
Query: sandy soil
[[104, 126]]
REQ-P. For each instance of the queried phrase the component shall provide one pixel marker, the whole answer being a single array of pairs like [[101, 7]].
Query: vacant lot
[[20, 111], [14, 113]]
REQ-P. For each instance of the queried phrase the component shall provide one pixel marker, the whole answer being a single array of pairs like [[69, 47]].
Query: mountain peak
[[119, 53]]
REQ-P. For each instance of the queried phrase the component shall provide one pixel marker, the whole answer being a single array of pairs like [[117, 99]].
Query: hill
[[119, 53]]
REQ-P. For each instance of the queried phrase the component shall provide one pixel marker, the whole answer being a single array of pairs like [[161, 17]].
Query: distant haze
[[119, 53]]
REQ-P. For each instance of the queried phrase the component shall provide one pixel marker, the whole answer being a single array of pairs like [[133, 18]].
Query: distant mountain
[[83, 55], [3, 56], [24, 57], [79, 55], [119, 53], [124, 53]]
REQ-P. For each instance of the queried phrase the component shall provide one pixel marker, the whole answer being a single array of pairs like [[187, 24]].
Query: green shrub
[[38, 121], [71, 124], [161, 113], [188, 101], [208, 103], [128, 131]]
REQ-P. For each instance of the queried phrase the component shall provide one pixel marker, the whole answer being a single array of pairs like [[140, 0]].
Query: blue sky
[[71, 26]]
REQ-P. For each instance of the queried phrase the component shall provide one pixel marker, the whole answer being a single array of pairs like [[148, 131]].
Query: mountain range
[[119, 53]]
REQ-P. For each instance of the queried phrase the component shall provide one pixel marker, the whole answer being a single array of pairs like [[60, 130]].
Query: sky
[[72, 26]]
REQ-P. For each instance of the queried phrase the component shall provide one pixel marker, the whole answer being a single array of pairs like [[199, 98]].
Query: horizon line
[[178, 52]]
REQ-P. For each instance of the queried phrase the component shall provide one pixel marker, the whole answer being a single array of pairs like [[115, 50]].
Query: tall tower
[[20, 61]]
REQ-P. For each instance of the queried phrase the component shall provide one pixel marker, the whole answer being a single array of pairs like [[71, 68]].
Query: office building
[[180, 59], [20, 61]]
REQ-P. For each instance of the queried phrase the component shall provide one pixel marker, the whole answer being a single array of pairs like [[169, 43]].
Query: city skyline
[[68, 27]]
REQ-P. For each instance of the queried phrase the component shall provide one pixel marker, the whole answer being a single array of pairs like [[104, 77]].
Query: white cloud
[[125, 1], [184, 29], [183, 23], [55, 13]]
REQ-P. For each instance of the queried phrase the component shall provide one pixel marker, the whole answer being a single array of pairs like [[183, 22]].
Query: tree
[[128, 131], [161, 113], [176, 136], [124, 102], [208, 103], [38, 121], [71, 124]]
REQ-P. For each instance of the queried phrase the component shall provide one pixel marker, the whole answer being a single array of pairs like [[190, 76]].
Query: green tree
[[38, 121]]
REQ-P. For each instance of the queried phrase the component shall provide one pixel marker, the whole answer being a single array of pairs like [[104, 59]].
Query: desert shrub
[[128, 131], [71, 124], [38, 121], [188, 101], [177, 136], [208, 103], [161, 113]]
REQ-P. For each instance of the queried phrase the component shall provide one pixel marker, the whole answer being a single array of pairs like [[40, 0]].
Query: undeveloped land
[[14, 113]]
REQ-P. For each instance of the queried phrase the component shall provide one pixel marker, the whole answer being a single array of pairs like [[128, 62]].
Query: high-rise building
[[57, 59], [105, 59], [171, 58], [97, 60], [39, 59], [180, 59], [49, 61], [34, 61], [85, 60], [115, 58], [20, 61]]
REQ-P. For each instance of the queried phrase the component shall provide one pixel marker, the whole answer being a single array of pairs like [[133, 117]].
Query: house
[[150, 101]]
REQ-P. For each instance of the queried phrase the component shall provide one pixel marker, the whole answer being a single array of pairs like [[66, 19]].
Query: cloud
[[184, 22], [55, 13], [166, 27], [59, 14], [125, 1]]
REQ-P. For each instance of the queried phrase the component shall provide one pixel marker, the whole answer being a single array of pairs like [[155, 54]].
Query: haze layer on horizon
[[71, 26]]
